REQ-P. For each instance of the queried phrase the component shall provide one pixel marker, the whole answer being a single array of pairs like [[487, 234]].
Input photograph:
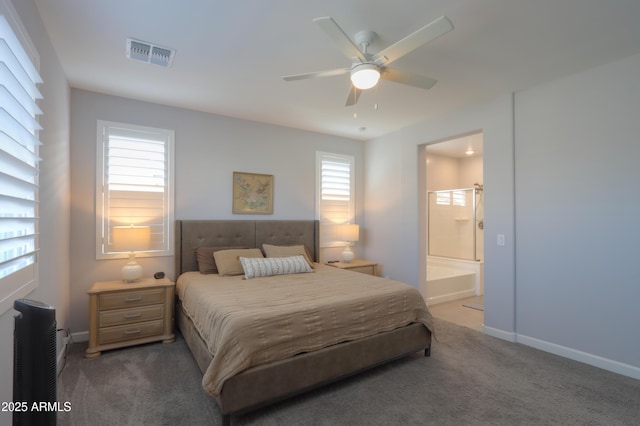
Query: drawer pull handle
[[136, 331], [130, 316], [133, 299]]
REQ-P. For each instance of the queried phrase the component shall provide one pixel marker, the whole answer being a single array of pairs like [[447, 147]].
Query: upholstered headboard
[[191, 234]]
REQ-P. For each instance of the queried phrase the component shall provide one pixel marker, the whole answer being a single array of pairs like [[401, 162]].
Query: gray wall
[[561, 174], [208, 149], [54, 197], [396, 196], [577, 213]]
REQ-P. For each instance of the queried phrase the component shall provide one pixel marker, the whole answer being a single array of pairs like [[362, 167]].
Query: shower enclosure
[[456, 223]]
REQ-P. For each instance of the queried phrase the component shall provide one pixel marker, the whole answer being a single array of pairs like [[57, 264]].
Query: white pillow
[[265, 267]]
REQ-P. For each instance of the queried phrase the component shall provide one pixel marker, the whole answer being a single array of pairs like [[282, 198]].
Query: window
[[19, 146], [459, 198], [335, 203], [443, 198], [455, 198], [134, 186]]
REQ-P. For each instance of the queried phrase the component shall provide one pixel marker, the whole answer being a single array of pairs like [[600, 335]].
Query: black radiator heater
[[34, 364]]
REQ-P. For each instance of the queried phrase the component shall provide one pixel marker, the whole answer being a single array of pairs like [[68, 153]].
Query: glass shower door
[[451, 224]]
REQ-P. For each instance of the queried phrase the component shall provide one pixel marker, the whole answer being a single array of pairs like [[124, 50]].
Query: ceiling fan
[[366, 68]]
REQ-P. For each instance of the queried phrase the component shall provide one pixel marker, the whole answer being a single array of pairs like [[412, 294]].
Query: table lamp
[[349, 233], [131, 238]]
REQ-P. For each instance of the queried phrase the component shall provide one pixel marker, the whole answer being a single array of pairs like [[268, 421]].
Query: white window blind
[[455, 198], [336, 198], [459, 198], [135, 185], [443, 198], [19, 146]]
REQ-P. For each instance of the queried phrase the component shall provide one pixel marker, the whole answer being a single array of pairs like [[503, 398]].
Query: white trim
[[343, 158], [8, 10], [81, 336], [580, 356], [565, 352], [500, 334], [7, 302], [450, 296], [170, 189], [62, 354]]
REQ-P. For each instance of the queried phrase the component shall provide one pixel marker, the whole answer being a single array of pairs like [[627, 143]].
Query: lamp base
[[132, 271], [347, 254]]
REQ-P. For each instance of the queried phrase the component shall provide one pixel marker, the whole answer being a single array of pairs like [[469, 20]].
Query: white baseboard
[[61, 354], [82, 336], [451, 296], [500, 334], [584, 357], [563, 351]]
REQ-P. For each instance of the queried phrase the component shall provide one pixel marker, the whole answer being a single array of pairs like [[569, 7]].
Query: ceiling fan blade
[[353, 96], [408, 78], [342, 40], [327, 73], [424, 35]]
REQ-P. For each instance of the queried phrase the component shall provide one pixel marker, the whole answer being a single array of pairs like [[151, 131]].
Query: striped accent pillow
[[265, 267], [286, 251]]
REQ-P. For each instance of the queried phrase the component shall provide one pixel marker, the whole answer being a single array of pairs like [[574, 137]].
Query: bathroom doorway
[[452, 218]]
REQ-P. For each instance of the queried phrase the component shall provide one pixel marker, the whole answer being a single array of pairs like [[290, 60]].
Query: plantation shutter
[[136, 186], [336, 195], [19, 170]]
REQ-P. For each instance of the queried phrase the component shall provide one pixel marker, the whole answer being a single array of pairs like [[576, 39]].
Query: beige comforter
[[252, 322]]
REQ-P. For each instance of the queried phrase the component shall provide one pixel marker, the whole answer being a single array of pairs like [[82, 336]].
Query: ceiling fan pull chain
[[355, 103], [375, 105]]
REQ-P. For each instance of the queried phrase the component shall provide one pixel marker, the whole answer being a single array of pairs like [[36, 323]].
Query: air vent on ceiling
[[149, 53]]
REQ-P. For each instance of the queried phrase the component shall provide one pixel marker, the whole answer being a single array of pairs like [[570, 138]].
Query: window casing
[[19, 160], [335, 203], [134, 185]]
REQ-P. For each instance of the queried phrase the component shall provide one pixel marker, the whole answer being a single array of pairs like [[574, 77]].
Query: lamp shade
[[349, 232], [365, 76], [131, 238]]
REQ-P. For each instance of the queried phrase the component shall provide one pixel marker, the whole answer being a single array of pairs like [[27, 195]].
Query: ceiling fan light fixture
[[365, 76]]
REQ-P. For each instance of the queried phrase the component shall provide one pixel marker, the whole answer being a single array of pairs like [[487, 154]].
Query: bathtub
[[451, 279]]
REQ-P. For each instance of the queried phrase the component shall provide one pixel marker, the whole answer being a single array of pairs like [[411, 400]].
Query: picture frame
[[252, 193]]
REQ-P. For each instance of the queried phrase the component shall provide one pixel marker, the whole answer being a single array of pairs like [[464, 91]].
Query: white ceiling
[[231, 54], [459, 147]]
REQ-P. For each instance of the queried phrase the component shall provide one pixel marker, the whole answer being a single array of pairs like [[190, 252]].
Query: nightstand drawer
[[126, 299], [364, 269], [128, 316], [357, 265], [129, 332]]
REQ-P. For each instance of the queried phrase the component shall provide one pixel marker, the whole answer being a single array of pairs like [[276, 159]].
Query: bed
[[264, 360]]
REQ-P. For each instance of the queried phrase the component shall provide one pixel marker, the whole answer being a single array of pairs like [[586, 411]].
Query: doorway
[[452, 228]]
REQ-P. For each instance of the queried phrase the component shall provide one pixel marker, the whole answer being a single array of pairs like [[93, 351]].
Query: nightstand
[[357, 265], [125, 314]]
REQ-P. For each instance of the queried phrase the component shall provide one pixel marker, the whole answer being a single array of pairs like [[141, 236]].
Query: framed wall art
[[252, 193]]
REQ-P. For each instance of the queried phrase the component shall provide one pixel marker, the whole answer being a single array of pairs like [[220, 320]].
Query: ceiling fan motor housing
[[364, 39]]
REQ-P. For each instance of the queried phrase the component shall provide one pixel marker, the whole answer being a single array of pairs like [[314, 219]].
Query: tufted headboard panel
[[191, 234]]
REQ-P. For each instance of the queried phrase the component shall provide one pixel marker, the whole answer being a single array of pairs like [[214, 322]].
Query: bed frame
[[266, 384]]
